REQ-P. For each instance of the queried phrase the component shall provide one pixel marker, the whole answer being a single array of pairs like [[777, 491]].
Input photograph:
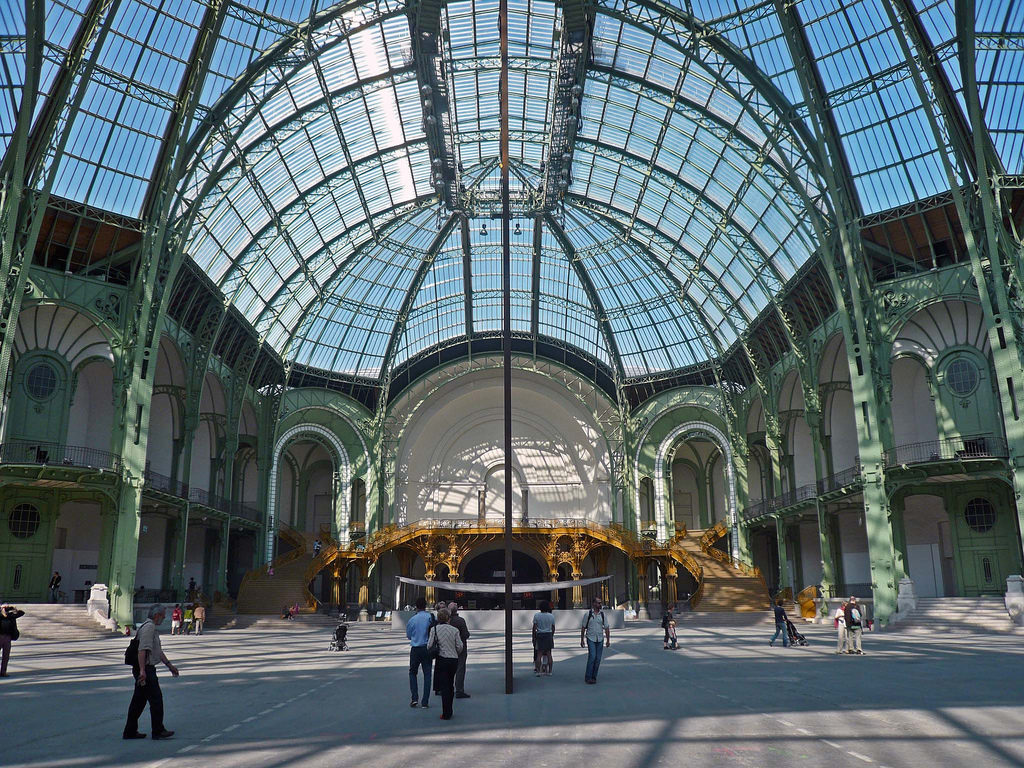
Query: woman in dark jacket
[[9, 616]]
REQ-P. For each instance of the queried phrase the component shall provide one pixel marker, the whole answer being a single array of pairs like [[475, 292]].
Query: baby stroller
[[795, 638], [338, 638]]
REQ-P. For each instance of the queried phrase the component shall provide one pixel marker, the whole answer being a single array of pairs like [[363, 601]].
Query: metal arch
[[410, 297], [22, 214], [726, 132], [467, 273], [412, 206], [605, 212], [184, 104], [707, 35], [324, 187], [595, 299]]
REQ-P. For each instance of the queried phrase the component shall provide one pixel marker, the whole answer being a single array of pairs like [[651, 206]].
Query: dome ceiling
[[313, 196]]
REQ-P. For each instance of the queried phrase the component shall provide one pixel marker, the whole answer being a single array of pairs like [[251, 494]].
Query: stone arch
[[342, 466], [694, 429]]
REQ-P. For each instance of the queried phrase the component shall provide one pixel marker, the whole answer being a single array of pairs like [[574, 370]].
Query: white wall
[[810, 554], [91, 413], [685, 496], [913, 410], [84, 527], [457, 436], [854, 546], [922, 517], [149, 568]]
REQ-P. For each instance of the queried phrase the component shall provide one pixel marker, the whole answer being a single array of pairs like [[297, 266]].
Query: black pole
[[506, 333]]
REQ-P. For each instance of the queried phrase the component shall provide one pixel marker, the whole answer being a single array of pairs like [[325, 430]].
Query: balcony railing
[[164, 484], [56, 454], [953, 449], [838, 480]]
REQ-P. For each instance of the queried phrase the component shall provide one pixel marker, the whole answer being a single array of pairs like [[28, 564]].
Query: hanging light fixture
[[518, 231], [483, 229]]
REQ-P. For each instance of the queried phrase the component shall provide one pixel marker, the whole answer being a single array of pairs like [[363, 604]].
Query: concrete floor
[[277, 697]]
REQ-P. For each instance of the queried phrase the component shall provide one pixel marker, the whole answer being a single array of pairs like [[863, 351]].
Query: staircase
[[725, 587], [959, 615], [263, 594], [58, 622], [270, 621]]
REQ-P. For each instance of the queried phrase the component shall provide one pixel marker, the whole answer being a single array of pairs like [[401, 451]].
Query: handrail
[[57, 454], [949, 449], [805, 601], [164, 484], [841, 479]]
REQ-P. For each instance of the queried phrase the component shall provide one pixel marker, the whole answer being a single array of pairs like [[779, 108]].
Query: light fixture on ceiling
[[483, 229], [518, 230]]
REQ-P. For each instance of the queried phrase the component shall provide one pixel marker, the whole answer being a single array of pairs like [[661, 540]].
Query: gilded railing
[[707, 542]]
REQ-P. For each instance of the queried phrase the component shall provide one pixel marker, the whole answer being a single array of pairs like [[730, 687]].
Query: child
[[188, 619], [672, 642]]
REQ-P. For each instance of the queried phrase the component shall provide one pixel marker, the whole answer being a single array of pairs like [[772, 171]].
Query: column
[[553, 577], [671, 573], [222, 560], [577, 590], [601, 564], [179, 582], [364, 590], [338, 576], [123, 554], [641, 571], [108, 521], [828, 564], [780, 543]]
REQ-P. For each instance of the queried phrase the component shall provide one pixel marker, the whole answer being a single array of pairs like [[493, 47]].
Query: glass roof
[[307, 190]]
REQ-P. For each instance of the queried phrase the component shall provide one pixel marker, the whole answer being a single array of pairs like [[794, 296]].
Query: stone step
[[46, 621], [959, 615]]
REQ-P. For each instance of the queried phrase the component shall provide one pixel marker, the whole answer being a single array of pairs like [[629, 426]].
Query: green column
[[828, 565], [108, 526], [780, 543], [222, 565], [179, 582], [739, 463], [123, 554]]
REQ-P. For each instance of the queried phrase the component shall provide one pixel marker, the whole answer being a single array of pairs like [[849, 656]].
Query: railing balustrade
[[57, 454], [950, 449]]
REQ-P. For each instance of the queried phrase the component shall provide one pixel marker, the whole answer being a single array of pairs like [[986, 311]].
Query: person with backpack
[[854, 627], [595, 629], [9, 616], [142, 654]]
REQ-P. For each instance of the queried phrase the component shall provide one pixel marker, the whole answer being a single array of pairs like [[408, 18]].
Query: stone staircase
[[959, 615], [270, 621], [263, 594], [59, 622], [725, 588]]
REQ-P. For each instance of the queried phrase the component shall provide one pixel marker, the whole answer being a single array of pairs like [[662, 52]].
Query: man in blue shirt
[[417, 629]]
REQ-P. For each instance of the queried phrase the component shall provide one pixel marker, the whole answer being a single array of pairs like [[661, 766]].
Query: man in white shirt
[[147, 687], [595, 629]]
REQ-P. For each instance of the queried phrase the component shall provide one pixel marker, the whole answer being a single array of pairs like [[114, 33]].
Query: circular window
[[41, 381], [980, 515], [23, 521], [962, 376]]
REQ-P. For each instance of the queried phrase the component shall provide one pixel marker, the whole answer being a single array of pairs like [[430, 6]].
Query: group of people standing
[[849, 623], [185, 620], [437, 644], [438, 647]]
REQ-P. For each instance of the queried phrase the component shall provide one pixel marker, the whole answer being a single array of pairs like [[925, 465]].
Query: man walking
[[176, 615], [780, 624], [54, 586], [417, 629], [460, 673], [147, 687], [854, 627], [199, 618], [595, 630]]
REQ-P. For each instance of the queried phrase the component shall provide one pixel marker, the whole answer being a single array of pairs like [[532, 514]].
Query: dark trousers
[[148, 693], [5, 653], [460, 674], [419, 657], [446, 674]]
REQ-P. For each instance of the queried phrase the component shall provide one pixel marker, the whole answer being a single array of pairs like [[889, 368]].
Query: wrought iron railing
[[164, 484], [951, 449], [57, 454], [839, 480]]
